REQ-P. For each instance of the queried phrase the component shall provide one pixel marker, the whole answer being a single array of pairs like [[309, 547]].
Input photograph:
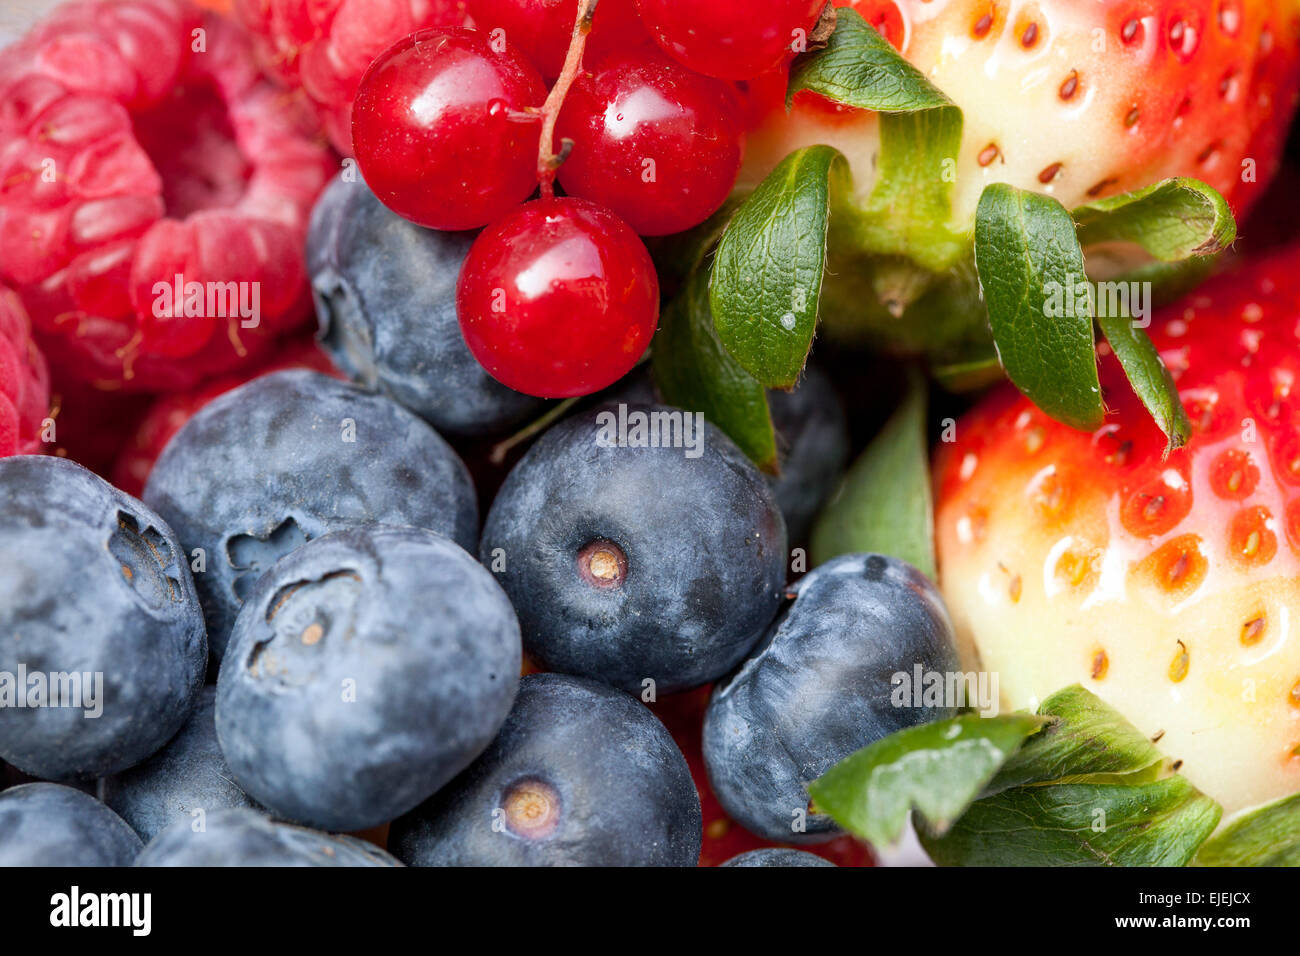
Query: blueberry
[[188, 775], [98, 615], [241, 837], [48, 824], [385, 292], [631, 563], [289, 457], [813, 440], [365, 671], [778, 857], [580, 775], [820, 687]]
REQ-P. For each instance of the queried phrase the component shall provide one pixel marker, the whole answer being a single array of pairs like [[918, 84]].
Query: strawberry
[[1080, 99], [1166, 585]]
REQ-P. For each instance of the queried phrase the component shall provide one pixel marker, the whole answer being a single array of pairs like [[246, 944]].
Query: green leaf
[[910, 206], [1086, 789], [936, 769], [1262, 836], [858, 67], [1031, 268], [693, 371], [1089, 741], [883, 504], [1160, 823], [1172, 220], [1090, 789], [767, 273], [1148, 375]]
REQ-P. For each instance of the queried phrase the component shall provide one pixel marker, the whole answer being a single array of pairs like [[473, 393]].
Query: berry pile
[[453, 129], [516, 564]]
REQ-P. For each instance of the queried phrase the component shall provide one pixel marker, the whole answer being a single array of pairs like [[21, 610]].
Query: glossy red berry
[[657, 144], [440, 129], [542, 29], [558, 299], [731, 39]]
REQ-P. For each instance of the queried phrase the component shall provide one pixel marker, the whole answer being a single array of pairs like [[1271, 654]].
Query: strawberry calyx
[[907, 255]]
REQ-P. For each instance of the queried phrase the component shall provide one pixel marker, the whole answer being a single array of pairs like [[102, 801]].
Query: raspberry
[[138, 144], [24, 381], [169, 413], [322, 47]]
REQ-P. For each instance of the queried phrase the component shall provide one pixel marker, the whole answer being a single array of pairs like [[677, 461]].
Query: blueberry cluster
[[300, 632]]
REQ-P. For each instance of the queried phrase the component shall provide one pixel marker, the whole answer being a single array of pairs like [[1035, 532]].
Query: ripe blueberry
[[287, 458], [99, 615], [47, 824], [188, 775], [385, 293], [241, 837], [820, 688], [366, 669], [633, 563], [580, 775], [812, 439]]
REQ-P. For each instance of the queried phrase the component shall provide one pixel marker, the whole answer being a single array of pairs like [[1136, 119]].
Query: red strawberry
[[1077, 98], [166, 416], [138, 143], [1168, 586], [322, 47], [24, 381]]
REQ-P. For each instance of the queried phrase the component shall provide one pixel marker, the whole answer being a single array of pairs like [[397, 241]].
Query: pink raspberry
[[24, 381], [138, 144], [322, 47]]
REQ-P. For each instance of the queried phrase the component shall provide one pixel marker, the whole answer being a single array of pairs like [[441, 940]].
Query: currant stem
[[547, 159], [503, 448]]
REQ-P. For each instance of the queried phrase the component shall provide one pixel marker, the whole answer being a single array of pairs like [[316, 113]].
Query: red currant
[[657, 144], [731, 39], [542, 29], [558, 299], [440, 129]]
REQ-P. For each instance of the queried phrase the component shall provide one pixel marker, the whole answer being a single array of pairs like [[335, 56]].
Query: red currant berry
[[731, 39], [440, 131], [657, 144], [558, 299], [542, 29]]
